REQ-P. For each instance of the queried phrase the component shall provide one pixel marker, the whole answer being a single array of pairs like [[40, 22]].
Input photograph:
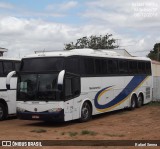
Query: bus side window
[[75, 86], [72, 87], [68, 88], [8, 67], [1, 68], [72, 65], [17, 66], [112, 67], [98, 66], [133, 67], [104, 67], [123, 67], [141, 68], [148, 68]]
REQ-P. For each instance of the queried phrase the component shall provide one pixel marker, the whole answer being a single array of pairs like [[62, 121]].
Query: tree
[[155, 53], [93, 42]]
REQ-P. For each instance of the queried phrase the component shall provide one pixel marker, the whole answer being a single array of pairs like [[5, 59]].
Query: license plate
[[35, 116]]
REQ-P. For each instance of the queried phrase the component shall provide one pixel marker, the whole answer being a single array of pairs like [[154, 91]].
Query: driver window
[[72, 87]]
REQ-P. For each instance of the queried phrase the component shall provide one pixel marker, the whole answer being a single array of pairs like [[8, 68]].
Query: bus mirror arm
[[9, 76], [60, 81]]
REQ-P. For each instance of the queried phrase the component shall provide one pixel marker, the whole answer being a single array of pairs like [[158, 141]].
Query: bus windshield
[[41, 87], [42, 64]]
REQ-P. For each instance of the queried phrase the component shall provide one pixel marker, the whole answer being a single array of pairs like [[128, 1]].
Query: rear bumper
[[44, 116]]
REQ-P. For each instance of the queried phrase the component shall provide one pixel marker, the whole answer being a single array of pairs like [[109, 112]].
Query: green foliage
[[72, 133], [154, 53], [87, 132], [93, 42]]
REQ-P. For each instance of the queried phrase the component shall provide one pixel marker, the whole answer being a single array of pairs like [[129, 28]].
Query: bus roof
[[13, 59], [84, 52]]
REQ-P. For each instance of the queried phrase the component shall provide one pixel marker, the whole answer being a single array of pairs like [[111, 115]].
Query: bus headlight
[[20, 109], [55, 110]]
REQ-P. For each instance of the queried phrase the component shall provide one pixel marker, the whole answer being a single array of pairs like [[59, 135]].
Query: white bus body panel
[[106, 93], [89, 89], [9, 95]]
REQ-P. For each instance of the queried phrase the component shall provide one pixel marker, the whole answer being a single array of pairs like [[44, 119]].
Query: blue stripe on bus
[[133, 84]]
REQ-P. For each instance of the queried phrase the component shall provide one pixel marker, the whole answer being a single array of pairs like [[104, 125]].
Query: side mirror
[[60, 81], [9, 76]]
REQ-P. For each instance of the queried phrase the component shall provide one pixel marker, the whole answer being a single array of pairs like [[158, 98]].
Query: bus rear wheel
[[133, 102], [140, 101], [3, 113], [86, 112]]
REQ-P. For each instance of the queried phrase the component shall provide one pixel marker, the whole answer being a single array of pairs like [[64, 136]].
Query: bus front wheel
[[86, 112], [3, 113]]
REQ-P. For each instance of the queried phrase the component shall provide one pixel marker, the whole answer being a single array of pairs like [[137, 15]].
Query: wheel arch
[[86, 100], [2, 101], [141, 94], [133, 94]]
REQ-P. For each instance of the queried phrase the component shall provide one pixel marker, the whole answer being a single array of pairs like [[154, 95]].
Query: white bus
[[76, 84], [8, 97]]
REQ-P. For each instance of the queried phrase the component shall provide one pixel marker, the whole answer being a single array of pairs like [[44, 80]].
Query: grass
[[114, 135], [72, 134], [87, 132], [39, 130], [154, 103]]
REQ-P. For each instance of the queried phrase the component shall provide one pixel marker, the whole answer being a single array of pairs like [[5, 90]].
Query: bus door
[[71, 92]]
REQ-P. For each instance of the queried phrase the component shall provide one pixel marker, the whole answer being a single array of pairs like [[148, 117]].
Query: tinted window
[[17, 66], [72, 86], [98, 66], [1, 68], [68, 87], [87, 66], [112, 67], [104, 66], [123, 67], [42, 64], [141, 67], [132, 67], [8, 67], [148, 67], [72, 65]]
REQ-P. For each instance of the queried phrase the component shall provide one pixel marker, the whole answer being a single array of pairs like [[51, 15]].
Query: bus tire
[[139, 101], [86, 112], [133, 102], [3, 112]]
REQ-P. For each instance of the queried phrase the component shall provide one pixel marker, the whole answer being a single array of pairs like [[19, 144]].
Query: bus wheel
[[140, 101], [133, 102], [86, 112], [3, 113]]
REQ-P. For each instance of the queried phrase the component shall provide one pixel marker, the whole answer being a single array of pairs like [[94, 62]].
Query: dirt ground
[[140, 124]]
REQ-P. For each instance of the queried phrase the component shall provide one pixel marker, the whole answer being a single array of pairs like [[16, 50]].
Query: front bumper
[[44, 116]]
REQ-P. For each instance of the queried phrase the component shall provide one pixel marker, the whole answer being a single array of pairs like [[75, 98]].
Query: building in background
[[2, 50], [156, 80], [122, 52]]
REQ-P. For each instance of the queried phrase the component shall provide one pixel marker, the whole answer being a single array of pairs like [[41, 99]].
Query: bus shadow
[[11, 118], [117, 112], [52, 124]]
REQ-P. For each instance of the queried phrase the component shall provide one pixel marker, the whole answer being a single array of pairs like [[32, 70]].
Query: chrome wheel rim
[[133, 103], [139, 101], [85, 111]]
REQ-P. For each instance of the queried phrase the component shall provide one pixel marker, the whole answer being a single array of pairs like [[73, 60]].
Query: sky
[[34, 25]]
